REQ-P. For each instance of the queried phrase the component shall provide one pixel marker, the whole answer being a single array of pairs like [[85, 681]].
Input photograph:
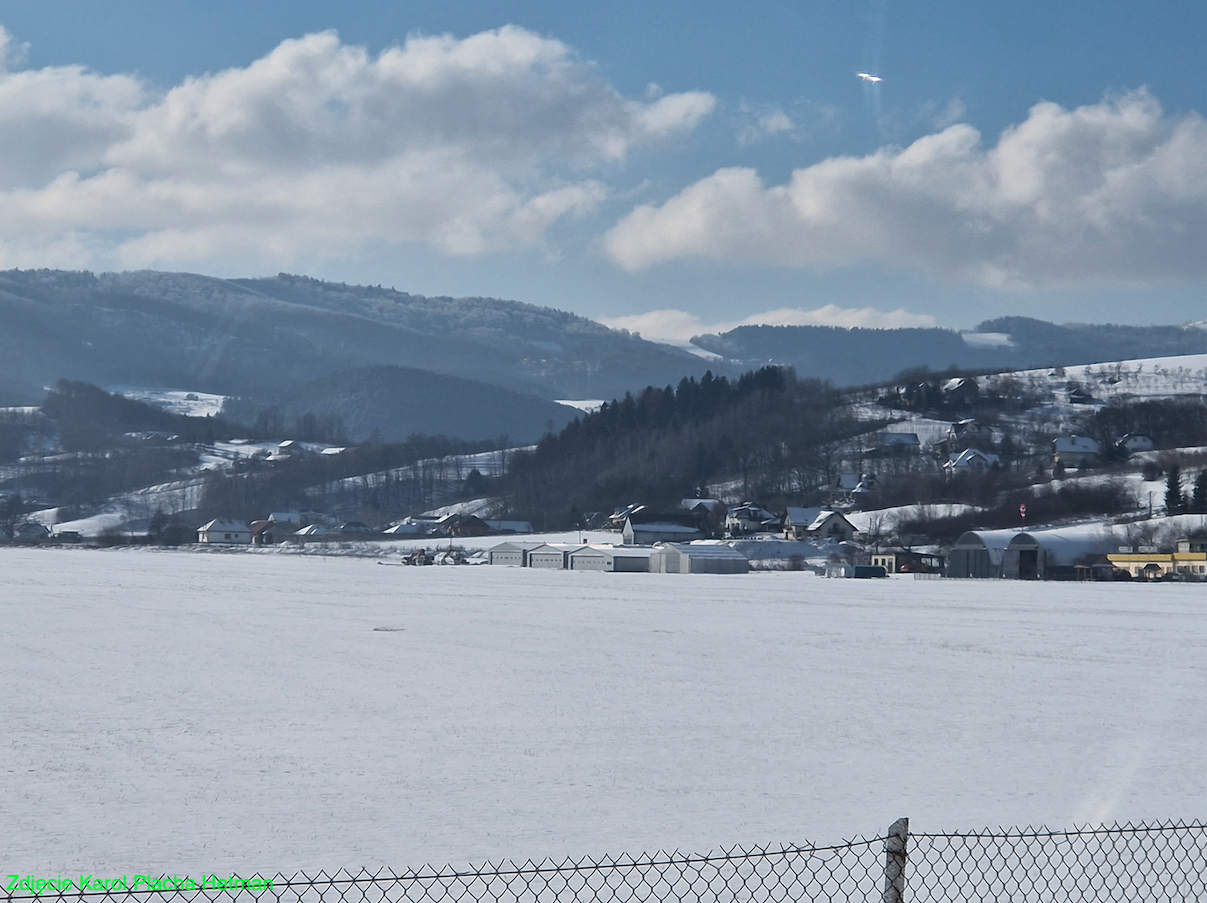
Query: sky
[[669, 167]]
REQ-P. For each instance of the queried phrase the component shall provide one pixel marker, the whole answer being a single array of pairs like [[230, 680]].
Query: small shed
[[698, 558], [611, 559], [817, 523]]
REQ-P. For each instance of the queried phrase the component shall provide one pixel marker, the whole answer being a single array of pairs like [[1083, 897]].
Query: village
[[996, 476]]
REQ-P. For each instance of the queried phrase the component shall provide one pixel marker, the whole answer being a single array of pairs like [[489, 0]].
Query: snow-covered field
[[206, 713], [175, 401]]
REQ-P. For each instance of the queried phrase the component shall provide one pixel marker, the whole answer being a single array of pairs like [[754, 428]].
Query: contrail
[[870, 77]]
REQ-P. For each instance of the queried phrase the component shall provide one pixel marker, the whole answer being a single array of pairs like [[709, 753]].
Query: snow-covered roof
[[312, 530], [994, 541], [825, 515], [1078, 444], [218, 525], [968, 455], [1064, 548], [798, 517]]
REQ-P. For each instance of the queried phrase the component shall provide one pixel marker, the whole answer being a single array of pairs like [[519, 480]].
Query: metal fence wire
[[1146, 862]]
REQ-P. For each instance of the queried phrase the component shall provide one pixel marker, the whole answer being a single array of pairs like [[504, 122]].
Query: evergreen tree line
[[767, 428], [1178, 500]]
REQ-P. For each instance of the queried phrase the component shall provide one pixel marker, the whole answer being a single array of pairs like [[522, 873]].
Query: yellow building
[[1155, 565]]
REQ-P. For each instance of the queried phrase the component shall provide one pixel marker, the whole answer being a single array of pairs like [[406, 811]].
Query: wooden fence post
[[894, 861]]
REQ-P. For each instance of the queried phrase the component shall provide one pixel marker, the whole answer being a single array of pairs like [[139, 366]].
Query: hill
[[851, 357], [262, 338]]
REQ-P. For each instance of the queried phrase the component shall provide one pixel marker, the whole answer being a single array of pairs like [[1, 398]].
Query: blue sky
[[673, 167]]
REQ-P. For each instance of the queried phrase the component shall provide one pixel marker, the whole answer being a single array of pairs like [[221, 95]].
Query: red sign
[[1022, 510]]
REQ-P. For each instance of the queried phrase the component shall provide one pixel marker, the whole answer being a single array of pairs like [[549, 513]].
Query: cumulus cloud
[[676, 327], [1113, 193], [316, 149]]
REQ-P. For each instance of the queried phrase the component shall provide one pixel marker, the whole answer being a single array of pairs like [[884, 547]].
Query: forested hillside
[[767, 428]]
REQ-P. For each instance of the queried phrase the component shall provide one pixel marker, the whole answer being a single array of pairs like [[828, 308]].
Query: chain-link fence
[[1160, 862]]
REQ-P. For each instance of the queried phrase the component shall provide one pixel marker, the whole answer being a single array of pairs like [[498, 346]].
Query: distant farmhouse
[[817, 524]]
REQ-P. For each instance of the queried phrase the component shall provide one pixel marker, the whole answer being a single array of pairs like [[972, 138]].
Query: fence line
[[1131, 862]]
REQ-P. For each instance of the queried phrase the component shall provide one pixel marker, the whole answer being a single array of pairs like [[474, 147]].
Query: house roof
[[813, 517], [219, 525], [798, 517], [1079, 444], [968, 455]]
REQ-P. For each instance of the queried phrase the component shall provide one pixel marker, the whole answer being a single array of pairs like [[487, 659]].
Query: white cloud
[[1109, 194], [765, 122], [316, 149], [676, 327]]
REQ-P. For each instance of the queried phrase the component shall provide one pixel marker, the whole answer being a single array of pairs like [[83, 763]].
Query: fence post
[[894, 861]]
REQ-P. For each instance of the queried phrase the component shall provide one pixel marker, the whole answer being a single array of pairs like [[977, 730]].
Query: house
[[971, 460], [961, 390], [467, 525], [747, 519], [646, 528], [221, 531], [864, 489], [1074, 451], [407, 528], [707, 557], [824, 524], [267, 532], [965, 433], [513, 554], [1078, 395], [1133, 443], [311, 531], [611, 559], [710, 514]]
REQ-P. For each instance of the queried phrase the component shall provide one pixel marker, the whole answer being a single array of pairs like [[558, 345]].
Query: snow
[[174, 401], [586, 405], [988, 339], [179, 712]]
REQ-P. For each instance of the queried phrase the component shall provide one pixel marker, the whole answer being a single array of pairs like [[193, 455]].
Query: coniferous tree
[[1198, 502], [1175, 498]]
